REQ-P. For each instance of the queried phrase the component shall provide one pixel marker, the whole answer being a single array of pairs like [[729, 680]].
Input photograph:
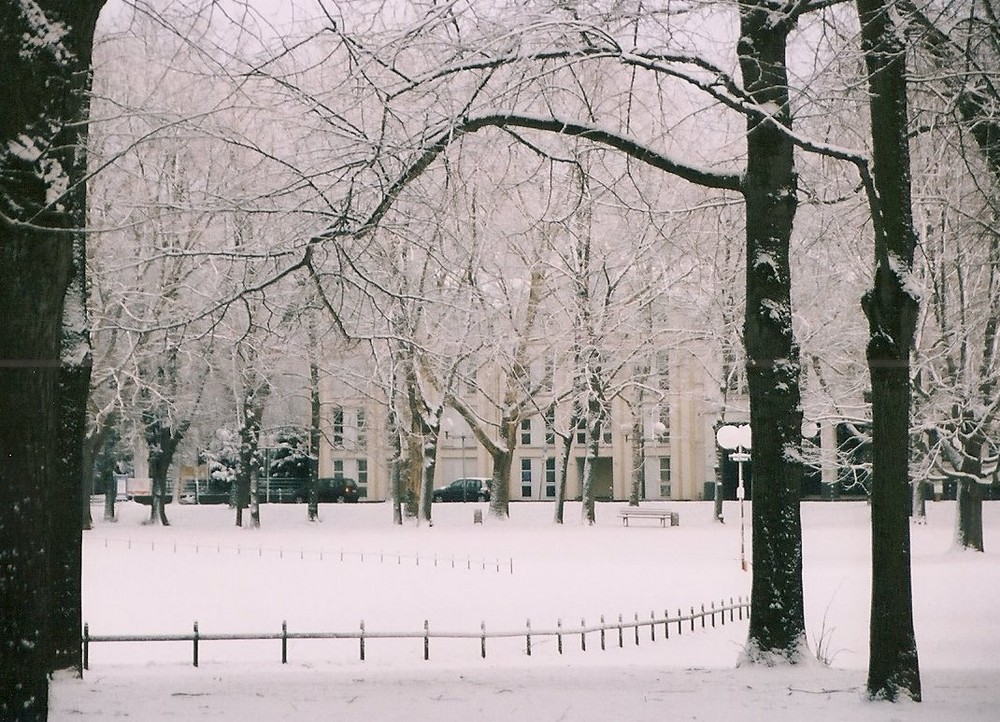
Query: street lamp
[[737, 440], [448, 424]]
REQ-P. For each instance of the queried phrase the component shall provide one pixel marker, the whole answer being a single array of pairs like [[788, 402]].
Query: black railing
[[696, 618]]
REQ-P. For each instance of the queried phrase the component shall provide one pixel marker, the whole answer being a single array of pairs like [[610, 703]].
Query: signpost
[[736, 439]]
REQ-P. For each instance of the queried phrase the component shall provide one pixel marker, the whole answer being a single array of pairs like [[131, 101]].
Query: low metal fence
[[703, 618], [449, 561]]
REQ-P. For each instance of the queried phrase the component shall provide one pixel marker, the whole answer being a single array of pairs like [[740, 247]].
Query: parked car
[[334, 489], [475, 489]]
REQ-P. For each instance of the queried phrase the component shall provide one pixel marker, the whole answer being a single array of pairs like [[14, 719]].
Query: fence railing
[[705, 616], [383, 557]]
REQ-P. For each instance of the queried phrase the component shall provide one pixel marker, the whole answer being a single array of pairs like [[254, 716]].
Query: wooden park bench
[[638, 512]]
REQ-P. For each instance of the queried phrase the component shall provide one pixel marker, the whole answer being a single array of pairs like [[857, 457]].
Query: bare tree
[[891, 307]]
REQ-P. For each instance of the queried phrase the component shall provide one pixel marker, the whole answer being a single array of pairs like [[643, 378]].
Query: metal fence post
[[194, 639], [284, 642], [427, 641], [86, 646]]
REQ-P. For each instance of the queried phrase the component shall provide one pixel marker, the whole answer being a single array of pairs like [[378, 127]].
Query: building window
[[550, 478], [665, 477], [663, 417], [581, 431], [525, 478], [338, 428], [606, 433], [338, 467], [362, 429], [362, 478], [526, 432]]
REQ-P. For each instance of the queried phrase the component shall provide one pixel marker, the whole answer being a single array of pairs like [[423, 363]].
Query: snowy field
[[355, 566]]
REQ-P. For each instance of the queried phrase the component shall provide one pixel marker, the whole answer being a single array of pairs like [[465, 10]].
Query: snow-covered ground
[[355, 566]]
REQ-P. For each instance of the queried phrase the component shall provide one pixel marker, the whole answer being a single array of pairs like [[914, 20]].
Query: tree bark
[[891, 309], [315, 435], [162, 443], [566, 450], [970, 493], [503, 459], [777, 617], [43, 83]]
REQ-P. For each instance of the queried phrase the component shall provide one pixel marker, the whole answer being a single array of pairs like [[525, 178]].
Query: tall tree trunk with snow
[[891, 308], [315, 438], [969, 530], [588, 494], [637, 449], [45, 51], [565, 452], [66, 522], [777, 617], [315, 420], [251, 461], [396, 467], [162, 442], [428, 468], [503, 461]]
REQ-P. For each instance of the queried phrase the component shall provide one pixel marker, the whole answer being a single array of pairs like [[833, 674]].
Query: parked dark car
[[476, 489], [336, 489], [290, 491]]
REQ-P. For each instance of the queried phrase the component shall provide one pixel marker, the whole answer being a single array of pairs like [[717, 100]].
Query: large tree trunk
[[565, 451], [969, 531], [65, 516], [161, 453], [891, 309], [638, 454], [70, 508], [777, 618], [251, 463], [503, 459], [588, 493], [315, 434], [42, 83]]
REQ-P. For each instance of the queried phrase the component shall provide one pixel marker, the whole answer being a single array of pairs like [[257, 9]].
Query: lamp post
[[736, 439], [449, 425]]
